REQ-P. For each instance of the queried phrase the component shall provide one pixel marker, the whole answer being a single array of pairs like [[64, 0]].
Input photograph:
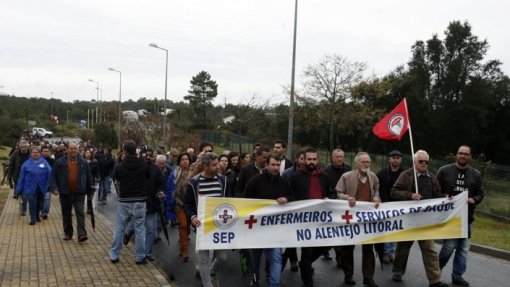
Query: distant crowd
[[156, 189]]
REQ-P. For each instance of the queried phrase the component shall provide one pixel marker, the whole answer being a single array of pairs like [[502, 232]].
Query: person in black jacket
[[456, 178], [310, 183], [105, 166], [387, 177], [334, 172], [132, 174], [280, 148], [269, 185], [18, 157], [46, 153], [249, 171]]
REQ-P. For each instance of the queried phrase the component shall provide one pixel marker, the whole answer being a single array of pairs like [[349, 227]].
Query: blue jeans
[[127, 211], [274, 255], [151, 220], [46, 204], [104, 188], [389, 248], [34, 205], [461, 248]]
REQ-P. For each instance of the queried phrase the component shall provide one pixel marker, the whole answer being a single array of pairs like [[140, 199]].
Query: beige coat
[[348, 185]]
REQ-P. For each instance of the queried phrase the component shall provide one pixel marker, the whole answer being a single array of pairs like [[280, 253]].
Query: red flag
[[395, 124]]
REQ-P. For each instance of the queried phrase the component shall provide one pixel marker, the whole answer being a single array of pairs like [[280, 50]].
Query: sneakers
[[460, 282]]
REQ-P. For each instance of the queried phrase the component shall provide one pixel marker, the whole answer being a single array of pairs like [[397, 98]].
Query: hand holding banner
[[232, 223]]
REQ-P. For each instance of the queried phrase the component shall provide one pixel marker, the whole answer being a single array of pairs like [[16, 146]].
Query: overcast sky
[[55, 46]]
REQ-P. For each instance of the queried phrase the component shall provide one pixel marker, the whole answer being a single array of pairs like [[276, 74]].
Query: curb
[[490, 251]]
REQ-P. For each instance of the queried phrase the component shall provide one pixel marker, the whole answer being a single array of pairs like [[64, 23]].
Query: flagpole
[[412, 147]]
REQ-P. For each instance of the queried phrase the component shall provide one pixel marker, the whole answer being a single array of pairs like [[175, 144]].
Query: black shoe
[[114, 260], [369, 283], [32, 223], [15, 196], [397, 278], [23, 213], [438, 284], [349, 281], [45, 217], [38, 219], [141, 262], [460, 282], [150, 258], [82, 238], [294, 266], [125, 239]]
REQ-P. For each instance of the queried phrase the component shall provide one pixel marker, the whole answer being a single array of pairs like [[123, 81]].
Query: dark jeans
[[35, 202], [308, 256], [367, 264], [67, 202]]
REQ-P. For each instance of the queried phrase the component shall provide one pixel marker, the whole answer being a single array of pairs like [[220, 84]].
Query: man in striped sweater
[[207, 183]]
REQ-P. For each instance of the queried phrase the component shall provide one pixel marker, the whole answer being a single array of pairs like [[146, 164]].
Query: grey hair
[[337, 150], [160, 157], [415, 156], [208, 157], [356, 158]]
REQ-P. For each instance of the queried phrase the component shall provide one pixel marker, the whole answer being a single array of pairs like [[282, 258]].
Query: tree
[[328, 84], [201, 93]]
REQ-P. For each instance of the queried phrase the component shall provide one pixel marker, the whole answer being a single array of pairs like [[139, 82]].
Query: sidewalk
[[38, 256]]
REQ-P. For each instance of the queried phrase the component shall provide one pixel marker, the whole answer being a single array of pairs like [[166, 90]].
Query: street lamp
[[97, 98], [166, 82], [120, 99]]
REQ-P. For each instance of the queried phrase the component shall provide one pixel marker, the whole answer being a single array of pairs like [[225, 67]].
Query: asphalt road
[[482, 270]]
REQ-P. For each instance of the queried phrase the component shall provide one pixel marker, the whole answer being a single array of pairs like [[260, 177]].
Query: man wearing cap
[[387, 177]]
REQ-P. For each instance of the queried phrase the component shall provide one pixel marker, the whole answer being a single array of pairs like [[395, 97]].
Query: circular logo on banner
[[396, 124], [225, 216]]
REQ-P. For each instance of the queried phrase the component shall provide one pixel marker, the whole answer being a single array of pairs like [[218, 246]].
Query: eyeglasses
[[464, 153], [423, 161]]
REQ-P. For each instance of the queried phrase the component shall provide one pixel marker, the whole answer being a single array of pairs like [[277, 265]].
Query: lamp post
[[97, 98], [291, 106], [166, 82], [120, 100]]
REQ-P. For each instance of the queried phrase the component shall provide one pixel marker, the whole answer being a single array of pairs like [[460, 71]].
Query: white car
[[42, 132]]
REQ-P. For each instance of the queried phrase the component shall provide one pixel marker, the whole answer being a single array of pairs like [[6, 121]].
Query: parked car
[[42, 132]]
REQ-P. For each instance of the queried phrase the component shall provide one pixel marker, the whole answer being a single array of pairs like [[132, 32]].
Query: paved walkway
[[37, 256]]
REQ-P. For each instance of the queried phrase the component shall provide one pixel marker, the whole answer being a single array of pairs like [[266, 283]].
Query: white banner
[[233, 223]]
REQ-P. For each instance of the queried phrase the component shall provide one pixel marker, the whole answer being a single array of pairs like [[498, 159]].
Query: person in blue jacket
[[33, 182]]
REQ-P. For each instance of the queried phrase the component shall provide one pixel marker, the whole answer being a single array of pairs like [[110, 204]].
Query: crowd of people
[[155, 188]]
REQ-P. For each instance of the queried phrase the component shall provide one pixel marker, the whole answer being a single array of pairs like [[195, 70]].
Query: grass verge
[[491, 232]]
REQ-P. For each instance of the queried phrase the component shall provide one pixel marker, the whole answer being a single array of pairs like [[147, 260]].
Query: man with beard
[[456, 178], [268, 185], [280, 148], [387, 177], [359, 185], [334, 171], [310, 183]]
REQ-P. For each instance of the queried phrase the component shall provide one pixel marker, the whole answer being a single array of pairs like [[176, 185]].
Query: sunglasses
[[423, 161]]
